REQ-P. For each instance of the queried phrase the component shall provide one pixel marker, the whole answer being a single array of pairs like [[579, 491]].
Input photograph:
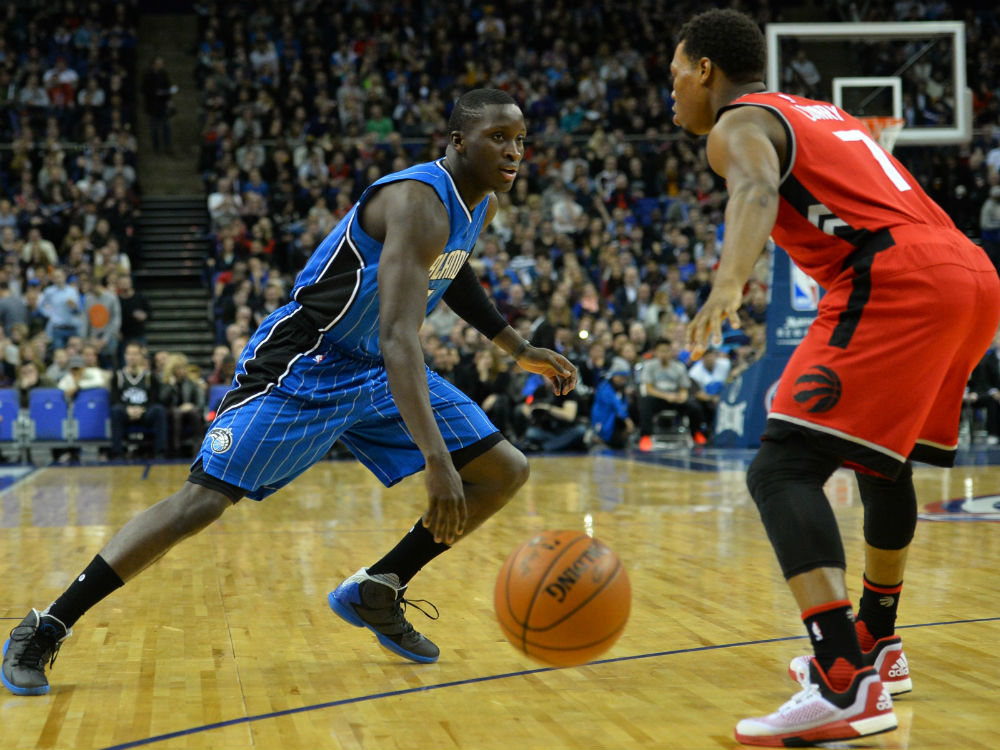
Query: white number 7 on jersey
[[880, 156]]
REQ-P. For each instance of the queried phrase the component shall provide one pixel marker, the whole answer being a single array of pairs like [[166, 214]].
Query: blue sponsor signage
[[792, 307]]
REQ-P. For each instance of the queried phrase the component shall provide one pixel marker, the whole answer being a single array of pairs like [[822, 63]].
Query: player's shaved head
[[471, 104]]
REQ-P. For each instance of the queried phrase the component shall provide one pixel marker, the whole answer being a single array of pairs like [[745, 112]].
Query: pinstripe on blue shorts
[[281, 420]]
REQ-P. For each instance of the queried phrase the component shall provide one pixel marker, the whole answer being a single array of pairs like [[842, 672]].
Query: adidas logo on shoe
[[884, 702], [886, 656], [900, 668]]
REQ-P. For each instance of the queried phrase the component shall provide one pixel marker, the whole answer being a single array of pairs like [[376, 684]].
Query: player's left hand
[[447, 512], [555, 367], [705, 328]]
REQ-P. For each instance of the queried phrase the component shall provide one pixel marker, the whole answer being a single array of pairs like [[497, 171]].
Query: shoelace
[[399, 619], [807, 693], [33, 655], [404, 603]]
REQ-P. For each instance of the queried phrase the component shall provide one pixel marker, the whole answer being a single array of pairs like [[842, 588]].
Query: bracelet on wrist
[[520, 349]]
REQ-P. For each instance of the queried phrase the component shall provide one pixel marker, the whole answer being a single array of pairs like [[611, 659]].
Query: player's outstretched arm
[[416, 231], [742, 149], [467, 298]]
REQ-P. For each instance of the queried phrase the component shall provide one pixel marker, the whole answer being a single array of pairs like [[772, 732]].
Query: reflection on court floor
[[227, 642]]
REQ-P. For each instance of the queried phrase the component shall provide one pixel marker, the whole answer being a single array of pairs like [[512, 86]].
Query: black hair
[[471, 104], [663, 340], [731, 40]]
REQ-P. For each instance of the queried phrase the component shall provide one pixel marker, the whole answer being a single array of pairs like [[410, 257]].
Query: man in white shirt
[[565, 211], [710, 374], [804, 73], [81, 377], [223, 205], [38, 249], [61, 81]]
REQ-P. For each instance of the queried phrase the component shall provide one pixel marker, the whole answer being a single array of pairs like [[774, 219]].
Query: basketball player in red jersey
[[910, 306]]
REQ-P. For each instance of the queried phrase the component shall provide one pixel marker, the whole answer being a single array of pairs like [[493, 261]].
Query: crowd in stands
[[607, 243], [69, 197], [603, 250], [68, 185]]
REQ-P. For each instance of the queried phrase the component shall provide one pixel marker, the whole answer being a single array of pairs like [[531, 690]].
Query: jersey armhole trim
[[789, 133], [355, 225], [451, 181]]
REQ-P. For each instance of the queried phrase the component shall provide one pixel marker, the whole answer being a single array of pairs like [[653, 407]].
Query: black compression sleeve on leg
[[468, 299], [890, 509], [786, 481]]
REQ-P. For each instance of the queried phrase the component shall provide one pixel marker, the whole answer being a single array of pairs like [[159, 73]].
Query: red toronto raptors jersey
[[838, 185]]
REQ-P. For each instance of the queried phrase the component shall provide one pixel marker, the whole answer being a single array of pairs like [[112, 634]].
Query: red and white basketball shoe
[[886, 656], [818, 713]]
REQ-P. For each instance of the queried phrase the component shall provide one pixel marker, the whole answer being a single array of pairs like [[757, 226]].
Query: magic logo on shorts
[[222, 439], [818, 390]]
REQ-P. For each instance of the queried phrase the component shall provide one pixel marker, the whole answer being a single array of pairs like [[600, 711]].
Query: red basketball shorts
[[879, 378]]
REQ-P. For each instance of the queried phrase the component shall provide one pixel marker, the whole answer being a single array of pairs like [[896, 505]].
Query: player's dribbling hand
[[559, 371], [446, 510], [705, 327]]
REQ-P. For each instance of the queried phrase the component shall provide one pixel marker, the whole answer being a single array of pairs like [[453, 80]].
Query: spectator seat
[[48, 420], [92, 417]]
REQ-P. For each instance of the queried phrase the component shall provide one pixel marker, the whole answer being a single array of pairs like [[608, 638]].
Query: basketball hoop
[[885, 130]]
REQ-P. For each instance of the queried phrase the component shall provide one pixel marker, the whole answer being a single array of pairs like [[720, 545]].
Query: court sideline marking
[[474, 680]]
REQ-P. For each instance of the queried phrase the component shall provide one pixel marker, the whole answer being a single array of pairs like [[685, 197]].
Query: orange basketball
[[562, 598]]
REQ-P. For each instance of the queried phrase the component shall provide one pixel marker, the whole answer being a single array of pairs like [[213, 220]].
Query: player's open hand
[[558, 370], [446, 510], [706, 327]]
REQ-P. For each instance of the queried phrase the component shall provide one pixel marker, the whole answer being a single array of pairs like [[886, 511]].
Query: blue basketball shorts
[[290, 403]]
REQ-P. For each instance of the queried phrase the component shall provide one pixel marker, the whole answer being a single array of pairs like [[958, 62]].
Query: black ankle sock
[[413, 552], [877, 609], [96, 582], [831, 631]]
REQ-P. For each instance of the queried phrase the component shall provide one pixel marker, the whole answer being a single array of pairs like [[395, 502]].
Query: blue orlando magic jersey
[[338, 288]]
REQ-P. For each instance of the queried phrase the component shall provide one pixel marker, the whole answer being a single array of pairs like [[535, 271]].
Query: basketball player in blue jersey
[[342, 360]]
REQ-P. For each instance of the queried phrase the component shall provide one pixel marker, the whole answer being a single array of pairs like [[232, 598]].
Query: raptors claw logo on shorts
[[820, 383]]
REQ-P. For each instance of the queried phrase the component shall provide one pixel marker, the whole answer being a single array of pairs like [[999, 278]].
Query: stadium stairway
[[169, 271]]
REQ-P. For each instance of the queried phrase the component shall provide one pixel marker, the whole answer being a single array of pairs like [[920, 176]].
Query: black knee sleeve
[[890, 509], [786, 481]]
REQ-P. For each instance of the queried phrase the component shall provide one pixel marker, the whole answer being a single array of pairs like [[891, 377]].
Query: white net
[[885, 130]]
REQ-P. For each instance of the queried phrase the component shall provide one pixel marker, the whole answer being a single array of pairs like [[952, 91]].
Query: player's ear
[[457, 141], [705, 69]]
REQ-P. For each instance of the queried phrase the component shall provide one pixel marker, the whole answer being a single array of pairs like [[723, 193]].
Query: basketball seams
[[538, 650], [510, 565], [541, 582], [612, 636], [507, 571], [526, 579], [610, 579]]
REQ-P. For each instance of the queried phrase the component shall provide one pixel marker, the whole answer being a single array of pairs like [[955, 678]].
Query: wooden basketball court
[[228, 641]]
